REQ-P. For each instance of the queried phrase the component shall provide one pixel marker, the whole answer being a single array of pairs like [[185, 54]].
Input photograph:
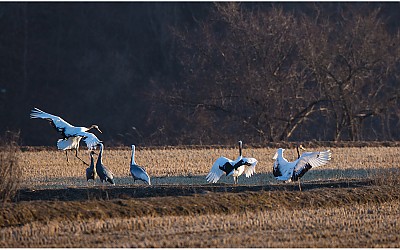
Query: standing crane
[[71, 135], [91, 171], [232, 168], [103, 172], [138, 172], [284, 170]]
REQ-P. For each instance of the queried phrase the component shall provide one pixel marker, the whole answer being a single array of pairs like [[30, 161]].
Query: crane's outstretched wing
[[215, 172], [139, 173], [309, 160], [90, 139], [57, 122], [250, 166]]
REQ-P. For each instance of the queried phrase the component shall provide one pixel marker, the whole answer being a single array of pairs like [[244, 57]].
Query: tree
[[352, 58], [242, 64]]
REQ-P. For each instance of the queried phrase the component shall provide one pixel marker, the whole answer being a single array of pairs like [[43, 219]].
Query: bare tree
[[352, 58], [241, 65]]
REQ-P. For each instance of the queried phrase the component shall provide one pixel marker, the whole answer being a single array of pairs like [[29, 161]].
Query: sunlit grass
[[190, 166], [358, 220]]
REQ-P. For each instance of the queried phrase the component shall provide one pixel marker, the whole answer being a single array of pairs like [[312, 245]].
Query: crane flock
[[282, 169]]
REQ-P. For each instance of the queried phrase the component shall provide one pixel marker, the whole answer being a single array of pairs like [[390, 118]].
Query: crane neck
[[240, 148], [133, 156], [100, 154], [91, 161]]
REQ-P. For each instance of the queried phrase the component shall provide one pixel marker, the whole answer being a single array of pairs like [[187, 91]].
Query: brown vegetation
[[364, 216], [49, 169], [10, 169], [351, 202]]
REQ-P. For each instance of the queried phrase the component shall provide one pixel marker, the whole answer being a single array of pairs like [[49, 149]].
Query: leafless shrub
[[10, 170]]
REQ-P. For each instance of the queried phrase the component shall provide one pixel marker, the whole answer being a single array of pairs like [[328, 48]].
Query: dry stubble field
[[351, 202]]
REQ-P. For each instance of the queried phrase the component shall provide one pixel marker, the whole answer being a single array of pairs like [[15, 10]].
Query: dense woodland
[[173, 73]]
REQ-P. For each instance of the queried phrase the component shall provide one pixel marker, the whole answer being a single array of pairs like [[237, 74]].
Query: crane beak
[[301, 147], [99, 130]]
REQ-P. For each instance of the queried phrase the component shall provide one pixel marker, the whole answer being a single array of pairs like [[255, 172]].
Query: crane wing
[[215, 172], [277, 170], [104, 172], [250, 166], [309, 160], [90, 139], [140, 174], [57, 122], [282, 169]]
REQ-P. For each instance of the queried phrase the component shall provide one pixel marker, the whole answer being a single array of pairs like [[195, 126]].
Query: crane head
[[300, 146], [95, 127]]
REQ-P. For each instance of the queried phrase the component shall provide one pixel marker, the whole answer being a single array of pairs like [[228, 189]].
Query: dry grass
[[10, 170], [365, 225], [326, 217], [49, 169]]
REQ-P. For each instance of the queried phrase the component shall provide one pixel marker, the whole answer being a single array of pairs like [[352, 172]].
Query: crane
[[232, 168], [91, 171], [138, 172], [71, 135], [103, 172], [284, 170]]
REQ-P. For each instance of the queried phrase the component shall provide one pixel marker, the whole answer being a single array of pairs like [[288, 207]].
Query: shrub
[[10, 170]]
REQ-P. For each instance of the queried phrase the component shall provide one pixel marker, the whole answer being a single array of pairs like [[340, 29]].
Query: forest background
[[184, 73]]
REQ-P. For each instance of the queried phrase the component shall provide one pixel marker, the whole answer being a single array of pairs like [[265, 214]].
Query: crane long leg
[[76, 154], [82, 160], [299, 185]]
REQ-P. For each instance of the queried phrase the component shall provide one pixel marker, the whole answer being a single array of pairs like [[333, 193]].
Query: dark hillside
[[173, 73]]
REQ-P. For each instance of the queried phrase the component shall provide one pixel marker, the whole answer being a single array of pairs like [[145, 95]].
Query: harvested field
[[49, 169], [351, 202]]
